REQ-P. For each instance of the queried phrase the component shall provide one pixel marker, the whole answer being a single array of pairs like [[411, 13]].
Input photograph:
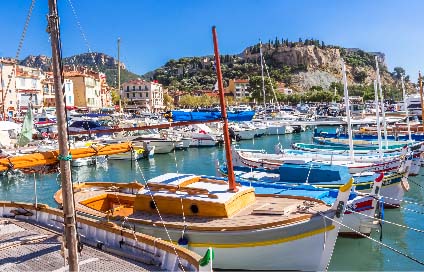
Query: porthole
[[194, 208]]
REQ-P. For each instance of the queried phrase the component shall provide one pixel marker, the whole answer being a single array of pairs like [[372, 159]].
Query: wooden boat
[[362, 207], [271, 161], [247, 231], [394, 184], [37, 230]]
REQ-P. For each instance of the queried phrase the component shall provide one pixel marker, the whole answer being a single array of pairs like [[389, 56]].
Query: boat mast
[[119, 77], [2, 90], [406, 109], [377, 116], [422, 101], [262, 73], [349, 126], [231, 178], [69, 223], [383, 111]]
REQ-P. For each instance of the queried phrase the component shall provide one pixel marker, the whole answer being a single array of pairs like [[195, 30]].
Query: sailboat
[[246, 230]]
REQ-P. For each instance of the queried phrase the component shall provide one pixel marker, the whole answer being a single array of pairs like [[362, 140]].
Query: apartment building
[[141, 95]]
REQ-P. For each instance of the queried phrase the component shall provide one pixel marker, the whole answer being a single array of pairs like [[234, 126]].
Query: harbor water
[[349, 254]]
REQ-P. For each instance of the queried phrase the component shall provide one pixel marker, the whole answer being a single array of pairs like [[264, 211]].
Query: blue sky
[[154, 31]]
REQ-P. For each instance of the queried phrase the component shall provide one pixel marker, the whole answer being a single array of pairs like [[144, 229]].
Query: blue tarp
[[178, 116]]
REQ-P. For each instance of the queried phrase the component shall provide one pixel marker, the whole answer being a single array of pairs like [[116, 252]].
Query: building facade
[[8, 105], [49, 91], [141, 95], [239, 88], [86, 88], [28, 88]]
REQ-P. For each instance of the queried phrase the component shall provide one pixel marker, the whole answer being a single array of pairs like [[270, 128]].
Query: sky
[[155, 31]]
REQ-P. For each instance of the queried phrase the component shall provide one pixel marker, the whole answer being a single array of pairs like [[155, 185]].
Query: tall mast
[[349, 126], [383, 111], [119, 75], [69, 223], [2, 90], [406, 109], [377, 115], [262, 73], [231, 178], [422, 101]]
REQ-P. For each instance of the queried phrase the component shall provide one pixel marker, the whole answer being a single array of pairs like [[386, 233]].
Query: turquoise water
[[350, 254]]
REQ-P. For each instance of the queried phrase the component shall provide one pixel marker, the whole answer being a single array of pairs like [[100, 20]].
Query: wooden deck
[[266, 211], [28, 247]]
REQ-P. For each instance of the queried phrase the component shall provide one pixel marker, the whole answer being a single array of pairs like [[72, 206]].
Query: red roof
[[241, 81]]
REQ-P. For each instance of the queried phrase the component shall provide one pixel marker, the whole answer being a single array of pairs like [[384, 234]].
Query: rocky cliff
[[96, 61]]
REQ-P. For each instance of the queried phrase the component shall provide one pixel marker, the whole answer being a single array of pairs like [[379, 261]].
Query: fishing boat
[[255, 159], [203, 212], [319, 184]]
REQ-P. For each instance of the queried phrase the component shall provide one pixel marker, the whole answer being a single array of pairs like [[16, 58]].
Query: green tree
[[115, 96], [255, 88], [398, 72], [168, 101]]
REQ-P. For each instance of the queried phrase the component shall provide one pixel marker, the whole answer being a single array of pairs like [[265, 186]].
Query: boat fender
[[80, 246], [100, 245], [405, 184], [183, 241], [340, 208]]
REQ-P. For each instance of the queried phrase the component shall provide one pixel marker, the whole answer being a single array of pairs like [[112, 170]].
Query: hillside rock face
[[93, 59], [40, 61], [311, 57], [321, 65], [87, 59]]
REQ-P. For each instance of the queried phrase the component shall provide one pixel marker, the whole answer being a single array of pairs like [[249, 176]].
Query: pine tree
[[300, 40], [277, 42], [322, 44]]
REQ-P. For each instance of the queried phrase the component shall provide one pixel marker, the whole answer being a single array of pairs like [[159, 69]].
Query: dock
[[28, 247]]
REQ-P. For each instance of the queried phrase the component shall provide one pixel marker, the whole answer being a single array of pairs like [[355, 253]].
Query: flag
[[209, 256], [215, 87], [26, 133]]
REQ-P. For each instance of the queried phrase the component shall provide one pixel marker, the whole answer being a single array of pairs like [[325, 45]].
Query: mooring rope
[[138, 169], [386, 221], [374, 240]]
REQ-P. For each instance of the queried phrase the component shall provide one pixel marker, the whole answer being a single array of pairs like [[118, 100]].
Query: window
[[139, 88], [128, 95], [128, 88], [70, 99], [147, 94], [141, 95], [133, 88], [133, 94], [10, 102]]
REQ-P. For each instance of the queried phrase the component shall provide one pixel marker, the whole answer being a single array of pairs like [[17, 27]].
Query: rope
[[402, 200], [64, 158], [137, 167], [374, 240], [386, 221], [84, 37], [309, 172], [20, 45]]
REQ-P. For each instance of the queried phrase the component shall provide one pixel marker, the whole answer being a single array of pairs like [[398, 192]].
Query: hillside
[[96, 61], [301, 66]]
